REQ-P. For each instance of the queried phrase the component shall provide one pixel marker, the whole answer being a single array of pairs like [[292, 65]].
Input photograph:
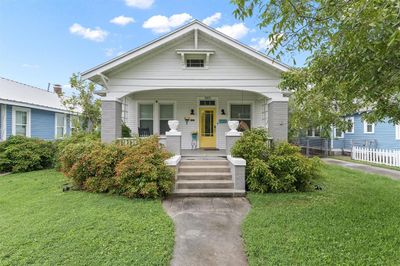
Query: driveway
[[393, 174], [208, 230]]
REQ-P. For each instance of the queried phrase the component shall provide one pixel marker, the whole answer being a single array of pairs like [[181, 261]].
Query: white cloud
[[122, 20], [33, 66], [97, 34], [142, 4], [261, 44], [236, 31], [120, 53], [212, 19], [109, 51], [162, 24]]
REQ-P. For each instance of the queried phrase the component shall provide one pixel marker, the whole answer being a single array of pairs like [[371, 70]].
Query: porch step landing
[[205, 177]]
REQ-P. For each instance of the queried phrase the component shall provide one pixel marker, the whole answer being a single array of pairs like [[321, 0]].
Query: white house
[[196, 75]]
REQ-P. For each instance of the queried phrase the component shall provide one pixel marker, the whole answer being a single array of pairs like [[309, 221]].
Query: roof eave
[[91, 73]]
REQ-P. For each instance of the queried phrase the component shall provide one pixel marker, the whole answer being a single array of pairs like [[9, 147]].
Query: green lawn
[[40, 224], [354, 220]]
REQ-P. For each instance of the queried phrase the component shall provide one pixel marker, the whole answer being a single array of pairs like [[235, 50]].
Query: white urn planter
[[173, 126], [233, 125]]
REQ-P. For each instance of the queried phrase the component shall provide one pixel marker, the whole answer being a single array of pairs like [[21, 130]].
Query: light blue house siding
[[42, 123], [384, 136], [9, 121]]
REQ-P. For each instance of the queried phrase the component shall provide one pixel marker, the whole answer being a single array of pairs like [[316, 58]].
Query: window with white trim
[[241, 113], [350, 126], [369, 128], [21, 122], [338, 133], [194, 62], [398, 131], [146, 117], [73, 123], [60, 125], [166, 113], [314, 132]]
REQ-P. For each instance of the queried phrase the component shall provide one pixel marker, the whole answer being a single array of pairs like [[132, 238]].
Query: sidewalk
[[393, 174], [208, 230]]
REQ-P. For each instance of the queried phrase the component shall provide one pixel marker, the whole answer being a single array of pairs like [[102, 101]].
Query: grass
[[348, 159], [354, 220], [42, 225]]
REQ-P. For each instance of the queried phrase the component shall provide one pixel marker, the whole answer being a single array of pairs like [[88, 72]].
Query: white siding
[[162, 68], [185, 100]]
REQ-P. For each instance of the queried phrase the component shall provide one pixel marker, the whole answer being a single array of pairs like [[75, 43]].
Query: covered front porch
[[202, 114]]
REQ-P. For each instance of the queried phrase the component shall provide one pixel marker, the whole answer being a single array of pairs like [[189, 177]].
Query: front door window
[[207, 128]]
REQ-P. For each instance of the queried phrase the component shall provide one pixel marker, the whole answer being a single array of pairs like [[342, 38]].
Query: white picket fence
[[378, 156]]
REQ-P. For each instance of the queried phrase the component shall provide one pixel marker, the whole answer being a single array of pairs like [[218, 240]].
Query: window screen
[[21, 123], [60, 127], [242, 113], [166, 113], [146, 116]]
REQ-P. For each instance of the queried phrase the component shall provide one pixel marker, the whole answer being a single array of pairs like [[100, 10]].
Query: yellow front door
[[207, 126]]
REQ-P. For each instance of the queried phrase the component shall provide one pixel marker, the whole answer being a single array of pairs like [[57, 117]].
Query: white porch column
[[111, 115], [278, 117]]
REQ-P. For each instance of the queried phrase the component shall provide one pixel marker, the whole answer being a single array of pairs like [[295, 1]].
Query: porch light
[[192, 112], [187, 119], [222, 111]]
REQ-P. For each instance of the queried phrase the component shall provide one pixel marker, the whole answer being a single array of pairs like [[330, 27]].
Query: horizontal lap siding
[[385, 134], [163, 68], [9, 121], [42, 124], [185, 100]]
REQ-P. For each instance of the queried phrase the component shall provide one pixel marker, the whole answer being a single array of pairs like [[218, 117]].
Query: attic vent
[[195, 63]]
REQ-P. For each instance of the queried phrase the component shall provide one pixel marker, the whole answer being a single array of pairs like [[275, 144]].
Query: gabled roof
[[13, 92], [195, 24]]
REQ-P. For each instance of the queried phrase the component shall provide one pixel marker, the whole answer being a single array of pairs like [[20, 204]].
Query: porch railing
[[133, 141], [126, 141]]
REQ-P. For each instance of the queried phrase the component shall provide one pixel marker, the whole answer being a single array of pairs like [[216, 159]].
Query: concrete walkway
[[207, 230], [393, 174]]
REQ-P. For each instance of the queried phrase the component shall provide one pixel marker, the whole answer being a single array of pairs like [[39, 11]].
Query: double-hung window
[[241, 113], [398, 131], [338, 133], [60, 125], [21, 122], [369, 128], [350, 125], [314, 132], [73, 123], [146, 117], [166, 113]]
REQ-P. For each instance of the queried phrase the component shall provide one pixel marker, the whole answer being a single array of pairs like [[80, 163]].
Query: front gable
[[160, 64]]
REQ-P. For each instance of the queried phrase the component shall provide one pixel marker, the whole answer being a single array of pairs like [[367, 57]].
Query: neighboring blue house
[[382, 135], [29, 111]]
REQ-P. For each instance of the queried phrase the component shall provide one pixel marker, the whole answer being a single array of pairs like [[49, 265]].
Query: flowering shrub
[[143, 173], [136, 171]]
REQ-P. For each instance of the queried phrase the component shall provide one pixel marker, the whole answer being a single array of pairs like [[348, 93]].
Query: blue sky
[[46, 41]]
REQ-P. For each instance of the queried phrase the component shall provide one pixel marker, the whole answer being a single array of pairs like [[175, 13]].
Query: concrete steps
[[209, 193], [205, 177], [208, 184]]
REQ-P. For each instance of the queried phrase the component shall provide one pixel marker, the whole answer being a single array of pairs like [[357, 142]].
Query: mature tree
[[354, 62], [84, 101]]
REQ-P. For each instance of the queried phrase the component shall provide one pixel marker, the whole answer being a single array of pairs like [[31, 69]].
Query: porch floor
[[203, 153]]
